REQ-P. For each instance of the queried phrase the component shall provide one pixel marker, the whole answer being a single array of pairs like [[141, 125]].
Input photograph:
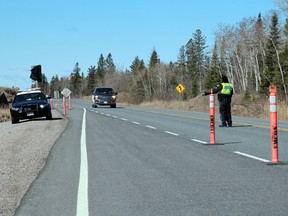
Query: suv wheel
[[49, 117], [14, 121]]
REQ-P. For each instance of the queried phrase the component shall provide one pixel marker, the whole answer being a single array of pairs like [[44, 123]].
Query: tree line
[[253, 54]]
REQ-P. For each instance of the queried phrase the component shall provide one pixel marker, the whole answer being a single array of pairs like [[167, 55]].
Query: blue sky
[[59, 33]]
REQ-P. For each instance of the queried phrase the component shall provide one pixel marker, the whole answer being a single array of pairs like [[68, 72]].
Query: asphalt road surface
[[146, 161]]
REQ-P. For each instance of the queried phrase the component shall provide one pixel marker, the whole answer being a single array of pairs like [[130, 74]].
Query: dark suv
[[104, 96], [30, 104]]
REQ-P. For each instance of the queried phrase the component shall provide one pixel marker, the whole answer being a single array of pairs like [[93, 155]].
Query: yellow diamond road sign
[[180, 88]]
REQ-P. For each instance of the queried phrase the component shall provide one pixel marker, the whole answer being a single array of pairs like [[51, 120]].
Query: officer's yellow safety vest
[[226, 88]]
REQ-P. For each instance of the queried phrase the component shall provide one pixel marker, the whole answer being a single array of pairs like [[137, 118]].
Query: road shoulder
[[24, 149]]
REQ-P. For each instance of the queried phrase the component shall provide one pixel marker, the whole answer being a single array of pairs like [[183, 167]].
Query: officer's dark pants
[[225, 112]]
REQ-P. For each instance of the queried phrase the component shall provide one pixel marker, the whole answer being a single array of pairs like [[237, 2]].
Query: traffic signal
[[36, 73]]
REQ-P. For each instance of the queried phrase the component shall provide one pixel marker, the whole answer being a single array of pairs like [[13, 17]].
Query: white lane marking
[[251, 156], [148, 126], [108, 115], [171, 133], [195, 140], [102, 113], [135, 122], [82, 200], [123, 119], [114, 116]]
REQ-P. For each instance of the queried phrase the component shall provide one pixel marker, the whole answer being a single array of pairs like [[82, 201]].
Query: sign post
[[66, 93], [180, 88]]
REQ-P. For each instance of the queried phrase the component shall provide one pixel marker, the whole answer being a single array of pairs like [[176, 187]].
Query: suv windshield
[[29, 97], [104, 91]]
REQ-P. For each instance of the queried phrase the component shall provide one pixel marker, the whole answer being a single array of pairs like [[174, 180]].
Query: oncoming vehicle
[[104, 96], [30, 104]]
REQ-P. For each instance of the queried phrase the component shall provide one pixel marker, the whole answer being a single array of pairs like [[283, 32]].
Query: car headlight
[[114, 97], [43, 106], [15, 109]]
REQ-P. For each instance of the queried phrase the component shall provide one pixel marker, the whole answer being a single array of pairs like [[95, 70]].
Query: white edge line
[[199, 141], [171, 133], [82, 199], [148, 126], [251, 156]]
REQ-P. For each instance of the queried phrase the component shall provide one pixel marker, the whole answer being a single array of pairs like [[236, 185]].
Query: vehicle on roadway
[[104, 96], [30, 104]]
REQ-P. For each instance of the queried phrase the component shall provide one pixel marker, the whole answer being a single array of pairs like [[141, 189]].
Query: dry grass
[[4, 115], [9, 93], [253, 107]]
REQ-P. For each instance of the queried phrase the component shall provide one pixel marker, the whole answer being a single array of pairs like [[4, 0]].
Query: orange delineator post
[[64, 106], [273, 124], [212, 117]]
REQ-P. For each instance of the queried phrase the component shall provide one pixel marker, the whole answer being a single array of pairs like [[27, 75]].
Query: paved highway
[[147, 161]]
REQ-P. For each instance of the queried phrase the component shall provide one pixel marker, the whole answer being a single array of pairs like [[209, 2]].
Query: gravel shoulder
[[24, 149]]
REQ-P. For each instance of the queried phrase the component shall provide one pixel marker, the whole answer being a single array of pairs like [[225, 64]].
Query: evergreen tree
[[137, 90], [154, 59], [100, 73], [192, 76], [110, 66], [52, 85], [55, 84], [181, 69], [272, 73], [150, 76], [191, 57], [213, 77], [91, 79], [137, 65], [200, 46], [76, 82]]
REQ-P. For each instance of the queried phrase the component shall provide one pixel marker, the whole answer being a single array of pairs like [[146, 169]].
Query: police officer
[[225, 92]]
